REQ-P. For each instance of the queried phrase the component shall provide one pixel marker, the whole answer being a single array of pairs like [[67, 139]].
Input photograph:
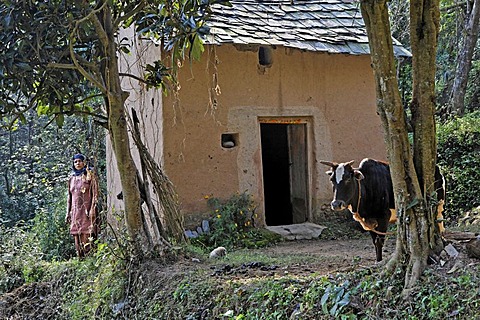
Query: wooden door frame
[[307, 121]]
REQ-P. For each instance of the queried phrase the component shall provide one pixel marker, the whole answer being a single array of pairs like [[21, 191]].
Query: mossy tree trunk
[[415, 224], [424, 29]]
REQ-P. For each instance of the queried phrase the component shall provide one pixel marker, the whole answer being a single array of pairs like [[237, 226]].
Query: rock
[[301, 231], [473, 248], [206, 226], [218, 252], [191, 234], [228, 144], [451, 251]]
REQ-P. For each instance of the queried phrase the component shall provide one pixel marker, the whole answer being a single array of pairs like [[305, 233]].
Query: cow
[[367, 191]]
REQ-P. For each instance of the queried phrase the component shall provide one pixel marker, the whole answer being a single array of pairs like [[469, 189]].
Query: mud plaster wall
[[227, 92]]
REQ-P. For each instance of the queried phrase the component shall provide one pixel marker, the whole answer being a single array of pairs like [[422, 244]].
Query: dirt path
[[303, 257]]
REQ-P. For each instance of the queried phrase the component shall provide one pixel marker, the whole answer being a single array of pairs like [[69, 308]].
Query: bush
[[459, 158], [52, 233], [232, 225], [20, 258]]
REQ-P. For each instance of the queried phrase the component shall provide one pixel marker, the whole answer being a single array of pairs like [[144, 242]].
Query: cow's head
[[344, 181]]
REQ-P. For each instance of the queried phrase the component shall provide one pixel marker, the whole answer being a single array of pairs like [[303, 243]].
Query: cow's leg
[[378, 241], [440, 217]]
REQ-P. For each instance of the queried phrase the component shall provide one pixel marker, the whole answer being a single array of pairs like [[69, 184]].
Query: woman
[[81, 205]]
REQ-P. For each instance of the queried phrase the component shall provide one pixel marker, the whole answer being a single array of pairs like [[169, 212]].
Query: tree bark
[[412, 240], [118, 128], [424, 29], [464, 61], [144, 223]]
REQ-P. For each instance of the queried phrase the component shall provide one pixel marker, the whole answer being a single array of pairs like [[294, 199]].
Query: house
[[281, 85]]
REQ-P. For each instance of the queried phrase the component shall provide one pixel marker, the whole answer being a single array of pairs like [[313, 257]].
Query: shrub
[[52, 233], [232, 225], [459, 158], [20, 258]]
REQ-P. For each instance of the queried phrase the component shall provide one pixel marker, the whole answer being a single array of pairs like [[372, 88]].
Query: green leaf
[[42, 109], [22, 118], [412, 204], [325, 296], [59, 119], [197, 48]]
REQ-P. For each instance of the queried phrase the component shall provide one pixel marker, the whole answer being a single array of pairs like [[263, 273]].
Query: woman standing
[[81, 205]]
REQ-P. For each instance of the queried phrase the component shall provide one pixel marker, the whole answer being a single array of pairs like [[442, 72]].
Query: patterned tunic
[[81, 203]]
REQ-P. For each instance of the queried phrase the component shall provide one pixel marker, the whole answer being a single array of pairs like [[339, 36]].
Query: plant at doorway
[[232, 224]]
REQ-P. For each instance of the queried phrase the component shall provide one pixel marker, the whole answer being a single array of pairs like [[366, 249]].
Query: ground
[[341, 247], [38, 300]]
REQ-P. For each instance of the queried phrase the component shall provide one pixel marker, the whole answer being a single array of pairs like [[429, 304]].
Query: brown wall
[[333, 93]]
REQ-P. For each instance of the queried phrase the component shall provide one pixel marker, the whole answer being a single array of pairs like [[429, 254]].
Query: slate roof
[[333, 26]]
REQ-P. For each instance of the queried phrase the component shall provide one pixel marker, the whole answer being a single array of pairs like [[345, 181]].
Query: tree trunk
[[424, 29], [464, 60], [144, 227], [118, 129], [144, 240], [412, 242]]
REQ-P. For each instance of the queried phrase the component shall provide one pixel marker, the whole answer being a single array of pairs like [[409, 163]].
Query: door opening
[[284, 158]]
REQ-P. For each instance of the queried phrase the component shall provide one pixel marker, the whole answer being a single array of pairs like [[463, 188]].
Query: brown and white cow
[[367, 191]]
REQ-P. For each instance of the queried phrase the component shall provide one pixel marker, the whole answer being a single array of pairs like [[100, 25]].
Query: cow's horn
[[330, 164], [349, 162]]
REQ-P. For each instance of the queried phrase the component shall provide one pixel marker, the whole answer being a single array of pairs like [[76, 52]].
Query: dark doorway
[[284, 159]]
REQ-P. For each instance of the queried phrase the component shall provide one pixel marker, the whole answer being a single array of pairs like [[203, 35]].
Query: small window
[[229, 140], [265, 56]]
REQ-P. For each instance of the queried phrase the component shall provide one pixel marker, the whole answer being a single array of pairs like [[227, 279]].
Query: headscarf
[[79, 156], [81, 171]]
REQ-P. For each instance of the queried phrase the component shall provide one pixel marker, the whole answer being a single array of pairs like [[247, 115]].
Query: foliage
[[471, 218], [36, 160], [451, 26], [20, 258], [459, 157], [340, 296], [61, 58], [232, 225], [65, 65], [105, 287], [353, 295], [472, 99], [52, 234], [94, 287]]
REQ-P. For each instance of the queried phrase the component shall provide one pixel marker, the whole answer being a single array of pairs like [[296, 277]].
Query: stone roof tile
[[334, 26]]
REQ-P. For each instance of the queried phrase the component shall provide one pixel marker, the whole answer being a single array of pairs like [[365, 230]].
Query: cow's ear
[[358, 175], [329, 172]]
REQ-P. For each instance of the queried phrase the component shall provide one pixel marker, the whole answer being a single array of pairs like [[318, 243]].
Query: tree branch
[[130, 14], [53, 65], [453, 6], [80, 68], [122, 74], [92, 16]]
